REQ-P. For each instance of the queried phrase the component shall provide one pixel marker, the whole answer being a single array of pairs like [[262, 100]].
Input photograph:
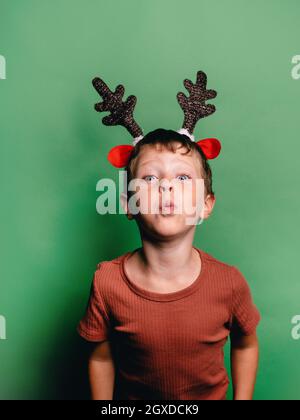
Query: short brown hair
[[167, 138]]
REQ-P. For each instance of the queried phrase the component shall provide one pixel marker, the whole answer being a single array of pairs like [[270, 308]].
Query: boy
[[160, 315]]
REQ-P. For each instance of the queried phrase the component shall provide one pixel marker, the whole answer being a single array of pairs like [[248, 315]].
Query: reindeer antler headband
[[121, 113]]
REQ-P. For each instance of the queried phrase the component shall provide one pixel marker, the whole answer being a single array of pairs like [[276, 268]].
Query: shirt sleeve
[[94, 326], [244, 314]]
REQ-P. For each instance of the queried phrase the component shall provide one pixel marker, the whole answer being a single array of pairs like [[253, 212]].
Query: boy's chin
[[167, 225]]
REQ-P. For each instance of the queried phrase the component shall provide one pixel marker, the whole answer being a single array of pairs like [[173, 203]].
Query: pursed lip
[[168, 207]]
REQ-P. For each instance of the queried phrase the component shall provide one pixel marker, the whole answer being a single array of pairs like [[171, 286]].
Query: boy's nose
[[165, 186]]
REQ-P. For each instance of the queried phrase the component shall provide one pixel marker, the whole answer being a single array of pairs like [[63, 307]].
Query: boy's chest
[[192, 321]]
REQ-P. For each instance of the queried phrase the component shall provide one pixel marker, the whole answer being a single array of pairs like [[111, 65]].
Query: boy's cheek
[[189, 199], [146, 202]]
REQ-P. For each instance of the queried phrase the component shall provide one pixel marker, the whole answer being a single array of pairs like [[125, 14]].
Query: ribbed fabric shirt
[[169, 346]]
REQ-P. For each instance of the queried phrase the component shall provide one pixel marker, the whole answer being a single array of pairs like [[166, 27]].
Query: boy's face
[[171, 188]]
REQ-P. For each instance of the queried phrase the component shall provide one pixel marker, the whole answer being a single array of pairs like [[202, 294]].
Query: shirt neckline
[[164, 297]]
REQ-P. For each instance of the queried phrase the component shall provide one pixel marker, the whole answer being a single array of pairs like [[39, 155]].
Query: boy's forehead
[[157, 154]]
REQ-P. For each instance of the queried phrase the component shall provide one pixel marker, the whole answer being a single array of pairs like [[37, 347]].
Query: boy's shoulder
[[113, 263], [106, 271], [213, 261], [219, 268]]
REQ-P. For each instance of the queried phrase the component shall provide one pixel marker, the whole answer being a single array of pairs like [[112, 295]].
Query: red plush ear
[[210, 147], [119, 155]]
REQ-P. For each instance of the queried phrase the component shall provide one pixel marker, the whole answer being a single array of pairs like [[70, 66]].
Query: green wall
[[53, 152]]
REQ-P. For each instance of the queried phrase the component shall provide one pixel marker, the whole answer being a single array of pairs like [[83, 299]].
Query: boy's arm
[[244, 363], [102, 372]]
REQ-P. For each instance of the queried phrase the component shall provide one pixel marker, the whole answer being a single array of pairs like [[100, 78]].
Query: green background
[[54, 148]]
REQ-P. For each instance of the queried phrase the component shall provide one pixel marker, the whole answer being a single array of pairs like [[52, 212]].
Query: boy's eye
[[184, 176], [148, 178]]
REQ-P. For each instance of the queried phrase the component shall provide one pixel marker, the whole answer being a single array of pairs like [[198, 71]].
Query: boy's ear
[[210, 201], [124, 203]]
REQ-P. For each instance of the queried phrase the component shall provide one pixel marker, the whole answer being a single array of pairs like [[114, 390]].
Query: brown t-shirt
[[169, 346]]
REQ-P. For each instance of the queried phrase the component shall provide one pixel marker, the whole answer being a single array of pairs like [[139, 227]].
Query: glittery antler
[[121, 112], [194, 106]]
